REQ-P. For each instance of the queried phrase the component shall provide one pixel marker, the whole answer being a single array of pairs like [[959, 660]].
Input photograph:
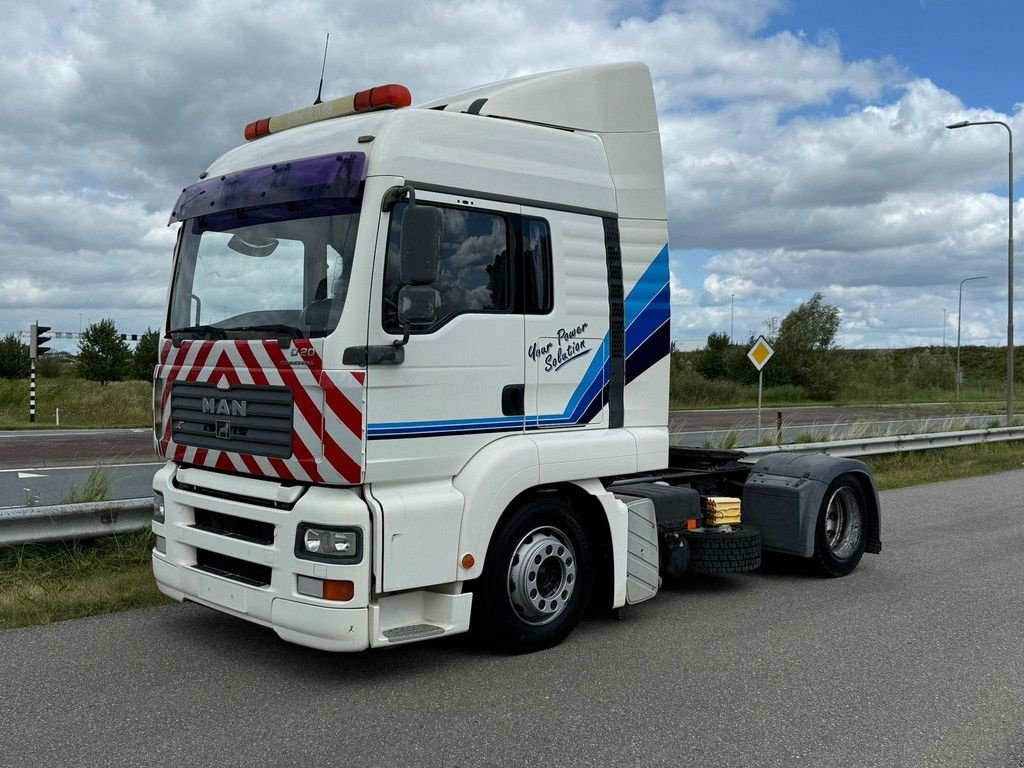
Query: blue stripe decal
[[647, 314], [656, 313], [650, 284]]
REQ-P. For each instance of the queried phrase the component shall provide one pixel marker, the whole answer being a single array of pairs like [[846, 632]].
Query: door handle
[[513, 400]]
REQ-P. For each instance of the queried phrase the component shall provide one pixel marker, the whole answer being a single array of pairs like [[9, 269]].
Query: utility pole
[[1009, 267]]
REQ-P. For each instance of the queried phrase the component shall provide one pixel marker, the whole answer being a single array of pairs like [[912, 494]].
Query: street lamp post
[[959, 313], [1009, 285], [732, 314]]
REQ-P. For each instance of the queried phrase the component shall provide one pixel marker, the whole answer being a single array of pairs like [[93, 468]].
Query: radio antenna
[[320, 90]]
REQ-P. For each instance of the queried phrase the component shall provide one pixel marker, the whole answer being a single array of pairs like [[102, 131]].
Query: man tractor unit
[[414, 378]]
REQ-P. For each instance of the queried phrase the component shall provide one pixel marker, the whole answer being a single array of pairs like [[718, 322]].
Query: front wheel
[[839, 536], [536, 579]]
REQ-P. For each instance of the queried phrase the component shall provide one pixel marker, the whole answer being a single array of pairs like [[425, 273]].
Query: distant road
[[42, 486], [74, 447], [82, 447], [806, 415], [833, 422]]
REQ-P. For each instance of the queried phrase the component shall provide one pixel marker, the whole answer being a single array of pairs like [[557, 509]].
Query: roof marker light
[[380, 97]]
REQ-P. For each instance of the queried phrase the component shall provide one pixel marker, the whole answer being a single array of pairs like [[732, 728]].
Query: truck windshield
[[263, 275]]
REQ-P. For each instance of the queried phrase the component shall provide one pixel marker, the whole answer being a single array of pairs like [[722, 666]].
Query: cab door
[[567, 332], [461, 382]]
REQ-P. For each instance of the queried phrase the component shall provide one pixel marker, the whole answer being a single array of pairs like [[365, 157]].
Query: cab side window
[[474, 271], [537, 291]]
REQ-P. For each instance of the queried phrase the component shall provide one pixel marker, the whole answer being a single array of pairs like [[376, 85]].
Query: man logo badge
[[223, 429], [222, 406]]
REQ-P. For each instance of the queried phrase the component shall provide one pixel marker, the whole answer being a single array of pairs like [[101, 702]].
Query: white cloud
[[791, 165]]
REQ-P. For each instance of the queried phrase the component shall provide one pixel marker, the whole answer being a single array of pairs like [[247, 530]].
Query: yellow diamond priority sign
[[760, 353]]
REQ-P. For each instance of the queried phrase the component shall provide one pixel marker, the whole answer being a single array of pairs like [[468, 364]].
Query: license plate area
[[221, 592]]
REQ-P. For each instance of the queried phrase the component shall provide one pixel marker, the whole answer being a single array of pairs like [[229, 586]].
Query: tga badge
[[567, 345]]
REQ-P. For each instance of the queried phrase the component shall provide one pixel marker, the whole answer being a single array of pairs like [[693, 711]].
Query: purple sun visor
[[314, 178]]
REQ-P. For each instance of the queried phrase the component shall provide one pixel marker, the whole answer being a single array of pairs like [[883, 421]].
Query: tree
[[803, 345], [722, 359], [144, 359], [13, 358], [712, 362], [103, 355], [811, 327]]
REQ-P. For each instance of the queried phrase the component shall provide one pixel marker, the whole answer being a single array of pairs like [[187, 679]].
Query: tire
[[717, 552], [536, 581], [839, 535]]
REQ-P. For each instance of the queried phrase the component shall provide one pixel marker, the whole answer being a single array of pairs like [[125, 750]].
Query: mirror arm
[[399, 343], [395, 195]]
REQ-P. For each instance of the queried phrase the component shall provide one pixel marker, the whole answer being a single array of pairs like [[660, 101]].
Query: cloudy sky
[[803, 140]]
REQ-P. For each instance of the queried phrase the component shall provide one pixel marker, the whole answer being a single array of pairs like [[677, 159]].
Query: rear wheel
[[839, 536], [536, 579]]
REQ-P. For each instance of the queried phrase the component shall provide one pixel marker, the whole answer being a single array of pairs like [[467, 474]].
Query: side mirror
[[417, 304], [420, 244]]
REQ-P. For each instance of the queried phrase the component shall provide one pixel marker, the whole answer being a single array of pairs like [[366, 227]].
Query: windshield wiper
[[217, 332], [290, 330], [207, 331]]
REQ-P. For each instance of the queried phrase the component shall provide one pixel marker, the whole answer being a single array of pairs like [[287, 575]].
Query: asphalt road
[[74, 447], [41, 486], [914, 660]]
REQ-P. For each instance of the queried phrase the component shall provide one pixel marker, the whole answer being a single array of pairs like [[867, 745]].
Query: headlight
[[158, 507], [334, 545]]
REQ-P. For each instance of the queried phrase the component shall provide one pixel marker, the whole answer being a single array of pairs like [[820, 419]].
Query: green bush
[[14, 362], [82, 403]]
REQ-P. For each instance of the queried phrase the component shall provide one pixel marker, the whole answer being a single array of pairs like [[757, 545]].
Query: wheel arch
[[809, 476], [591, 502], [506, 472]]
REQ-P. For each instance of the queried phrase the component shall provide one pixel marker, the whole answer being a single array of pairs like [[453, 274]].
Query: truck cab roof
[[584, 138]]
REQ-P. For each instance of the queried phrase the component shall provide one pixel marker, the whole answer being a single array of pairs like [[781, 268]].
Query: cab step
[[412, 632], [418, 615]]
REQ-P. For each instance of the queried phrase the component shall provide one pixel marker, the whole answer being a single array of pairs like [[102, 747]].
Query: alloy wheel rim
[[542, 575]]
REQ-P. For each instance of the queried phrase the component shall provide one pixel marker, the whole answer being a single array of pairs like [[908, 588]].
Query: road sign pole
[[760, 381], [759, 355], [32, 393]]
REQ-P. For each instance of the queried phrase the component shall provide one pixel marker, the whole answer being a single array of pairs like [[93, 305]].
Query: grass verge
[[899, 470], [44, 583], [82, 403]]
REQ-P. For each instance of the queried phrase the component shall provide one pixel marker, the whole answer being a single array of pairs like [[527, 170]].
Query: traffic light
[[39, 340]]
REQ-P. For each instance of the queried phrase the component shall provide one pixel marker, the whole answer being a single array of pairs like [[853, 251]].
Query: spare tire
[[717, 550]]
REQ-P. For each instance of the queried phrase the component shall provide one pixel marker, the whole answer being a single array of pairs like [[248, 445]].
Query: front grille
[[202, 490], [232, 568], [234, 527], [242, 419]]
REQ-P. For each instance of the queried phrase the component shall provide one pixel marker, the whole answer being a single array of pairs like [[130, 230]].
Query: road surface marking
[[87, 466]]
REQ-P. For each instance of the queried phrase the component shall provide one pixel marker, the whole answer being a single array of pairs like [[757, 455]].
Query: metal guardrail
[[869, 446], [23, 525]]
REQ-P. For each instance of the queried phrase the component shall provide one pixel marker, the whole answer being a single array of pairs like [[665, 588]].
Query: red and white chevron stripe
[[329, 406]]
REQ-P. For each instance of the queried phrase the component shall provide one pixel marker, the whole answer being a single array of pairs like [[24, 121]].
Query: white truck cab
[[414, 376]]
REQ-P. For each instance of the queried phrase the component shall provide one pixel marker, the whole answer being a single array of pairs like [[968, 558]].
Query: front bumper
[[256, 577]]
